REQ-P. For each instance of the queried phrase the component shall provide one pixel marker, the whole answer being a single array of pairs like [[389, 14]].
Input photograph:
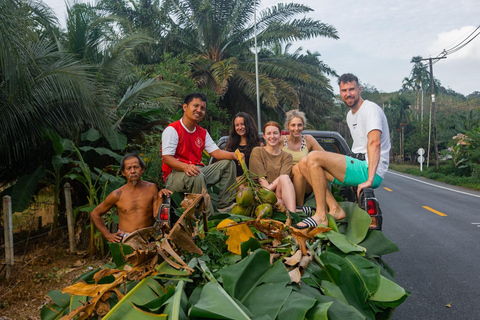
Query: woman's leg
[[286, 192], [299, 183]]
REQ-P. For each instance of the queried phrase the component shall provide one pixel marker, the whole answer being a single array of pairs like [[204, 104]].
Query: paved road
[[439, 258]]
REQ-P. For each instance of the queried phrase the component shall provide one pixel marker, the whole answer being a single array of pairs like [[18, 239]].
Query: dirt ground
[[49, 268]]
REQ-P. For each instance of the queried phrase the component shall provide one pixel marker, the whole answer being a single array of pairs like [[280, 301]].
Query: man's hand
[[191, 170], [114, 237], [366, 184], [164, 192]]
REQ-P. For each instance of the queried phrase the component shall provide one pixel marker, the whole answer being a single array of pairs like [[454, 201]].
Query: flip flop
[[309, 222], [308, 211]]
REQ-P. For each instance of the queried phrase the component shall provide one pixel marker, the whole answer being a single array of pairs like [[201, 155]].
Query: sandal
[[309, 222], [308, 211]]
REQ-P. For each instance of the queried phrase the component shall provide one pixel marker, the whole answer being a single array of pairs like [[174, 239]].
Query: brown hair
[[274, 124]]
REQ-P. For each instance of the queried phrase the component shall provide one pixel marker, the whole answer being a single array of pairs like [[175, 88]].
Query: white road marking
[[434, 185]]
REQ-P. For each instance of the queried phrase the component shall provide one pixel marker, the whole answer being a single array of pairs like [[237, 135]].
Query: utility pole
[[432, 91]]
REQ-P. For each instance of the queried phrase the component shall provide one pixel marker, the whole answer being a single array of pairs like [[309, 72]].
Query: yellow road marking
[[387, 189], [435, 211]]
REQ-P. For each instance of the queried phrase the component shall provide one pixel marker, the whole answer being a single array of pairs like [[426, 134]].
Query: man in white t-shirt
[[183, 142], [371, 147]]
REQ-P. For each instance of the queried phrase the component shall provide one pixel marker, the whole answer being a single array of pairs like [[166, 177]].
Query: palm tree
[[221, 36], [41, 88], [130, 101]]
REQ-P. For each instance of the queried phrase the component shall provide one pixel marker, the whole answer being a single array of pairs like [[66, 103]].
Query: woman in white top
[[270, 161], [298, 145]]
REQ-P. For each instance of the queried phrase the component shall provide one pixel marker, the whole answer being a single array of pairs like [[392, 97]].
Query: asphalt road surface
[[437, 229]]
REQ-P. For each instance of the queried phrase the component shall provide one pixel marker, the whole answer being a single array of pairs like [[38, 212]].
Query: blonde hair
[[295, 113]]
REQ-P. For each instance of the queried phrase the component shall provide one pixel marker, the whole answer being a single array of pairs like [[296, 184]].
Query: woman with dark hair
[[275, 165], [244, 137]]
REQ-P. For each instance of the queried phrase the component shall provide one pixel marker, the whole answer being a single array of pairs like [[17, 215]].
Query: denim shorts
[[356, 172]]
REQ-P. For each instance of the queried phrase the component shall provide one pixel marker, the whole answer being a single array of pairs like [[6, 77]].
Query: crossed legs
[[317, 168]]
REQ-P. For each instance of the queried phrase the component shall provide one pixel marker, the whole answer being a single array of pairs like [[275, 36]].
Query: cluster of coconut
[[258, 201]]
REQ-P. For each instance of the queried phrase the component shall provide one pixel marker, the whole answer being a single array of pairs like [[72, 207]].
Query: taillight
[[164, 213], [371, 207]]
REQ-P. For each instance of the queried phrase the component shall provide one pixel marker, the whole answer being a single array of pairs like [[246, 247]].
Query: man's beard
[[134, 179]]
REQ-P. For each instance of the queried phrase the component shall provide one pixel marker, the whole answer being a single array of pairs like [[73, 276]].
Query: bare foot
[[337, 213]]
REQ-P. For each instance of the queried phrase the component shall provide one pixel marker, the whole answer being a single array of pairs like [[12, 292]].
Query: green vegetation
[[278, 271]]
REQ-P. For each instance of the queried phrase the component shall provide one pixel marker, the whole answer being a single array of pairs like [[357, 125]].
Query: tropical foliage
[[280, 273]]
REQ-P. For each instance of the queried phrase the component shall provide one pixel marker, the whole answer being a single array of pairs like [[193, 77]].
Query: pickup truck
[[332, 141]]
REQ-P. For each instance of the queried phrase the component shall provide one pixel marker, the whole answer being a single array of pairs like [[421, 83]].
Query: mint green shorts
[[357, 173]]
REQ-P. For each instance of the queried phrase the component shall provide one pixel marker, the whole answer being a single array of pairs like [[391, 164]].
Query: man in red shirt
[[183, 142]]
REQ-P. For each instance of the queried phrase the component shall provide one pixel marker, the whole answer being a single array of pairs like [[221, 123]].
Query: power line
[[458, 46]]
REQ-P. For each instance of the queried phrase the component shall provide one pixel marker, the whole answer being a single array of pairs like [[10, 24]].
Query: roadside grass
[[444, 175]]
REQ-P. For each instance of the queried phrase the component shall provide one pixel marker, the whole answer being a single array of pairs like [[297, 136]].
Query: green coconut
[[239, 210], [267, 196], [264, 210], [245, 197]]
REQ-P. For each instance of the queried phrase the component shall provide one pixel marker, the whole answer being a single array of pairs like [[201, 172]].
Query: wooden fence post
[[7, 223], [70, 222]]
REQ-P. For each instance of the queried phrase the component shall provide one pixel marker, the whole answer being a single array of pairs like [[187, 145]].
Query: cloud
[[450, 39]]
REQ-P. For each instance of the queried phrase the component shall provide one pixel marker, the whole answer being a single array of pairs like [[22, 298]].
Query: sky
[[379, 38]]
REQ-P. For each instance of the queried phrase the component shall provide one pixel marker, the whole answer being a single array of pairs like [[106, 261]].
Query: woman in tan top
[[276, 165], [299, 145]]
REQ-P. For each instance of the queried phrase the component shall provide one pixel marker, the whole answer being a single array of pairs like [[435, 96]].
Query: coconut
[[267, 196], [264, 210], [239, 210], [245, 197]]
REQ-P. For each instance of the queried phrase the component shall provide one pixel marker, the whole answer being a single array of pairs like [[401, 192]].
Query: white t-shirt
[[170, 141], [367, 118]]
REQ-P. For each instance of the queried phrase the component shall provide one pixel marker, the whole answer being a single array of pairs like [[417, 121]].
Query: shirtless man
[[137, 202]]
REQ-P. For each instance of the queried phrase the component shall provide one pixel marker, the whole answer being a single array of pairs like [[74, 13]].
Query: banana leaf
[[343, 243], [91, 135], [176, 306], [24, 189], [358, 222], [146, 290], [349, 279], [215, 302], [378, 244], [60, 306], [297, 306], [389, 294]]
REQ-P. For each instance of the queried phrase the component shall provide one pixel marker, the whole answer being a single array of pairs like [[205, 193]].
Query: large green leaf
[[146, 290], [102, 151], [24, 189], [378, 244], [368, 272], [339, 310], [61, 302], [319, 311], [58, 161], [241, 279], [176, 306], [91, 135], [332, 290], [119, 252], [349, 281], [358, 222], [296, 307], [117, 140], [216, 303], [343, 243], [268, 299], [389, 293]]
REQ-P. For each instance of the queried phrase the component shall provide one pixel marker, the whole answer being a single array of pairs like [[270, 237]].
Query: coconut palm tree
[[221, 36], [41, 88]]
